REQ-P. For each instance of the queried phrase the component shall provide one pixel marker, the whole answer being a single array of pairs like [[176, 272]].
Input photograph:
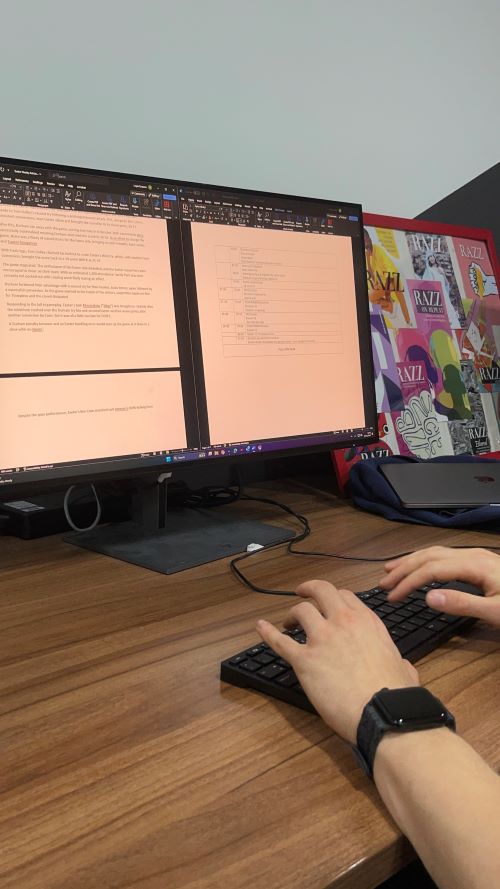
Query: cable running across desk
[[237, 494]]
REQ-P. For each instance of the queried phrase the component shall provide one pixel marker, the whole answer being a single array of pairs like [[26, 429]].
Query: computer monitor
[[148, 322]]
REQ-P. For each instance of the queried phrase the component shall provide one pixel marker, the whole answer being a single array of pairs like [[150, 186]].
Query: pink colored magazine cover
[[428, 303], [478, 277]]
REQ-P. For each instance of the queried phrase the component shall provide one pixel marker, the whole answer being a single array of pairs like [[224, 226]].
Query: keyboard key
[[271, 672], [264, 658], [251, 666], [405, 611], [429, 613], [413, 639], [287, 679], [238, 658], [397, 618], [251, 652], [418, 620], [396, 633]]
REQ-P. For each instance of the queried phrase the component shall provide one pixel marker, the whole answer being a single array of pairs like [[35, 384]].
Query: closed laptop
[[444, 485]]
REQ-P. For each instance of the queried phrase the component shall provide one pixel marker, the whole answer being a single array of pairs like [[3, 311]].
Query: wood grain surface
[[125, 762]]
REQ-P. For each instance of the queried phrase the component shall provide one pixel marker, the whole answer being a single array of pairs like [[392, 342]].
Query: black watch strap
[[371, 730]]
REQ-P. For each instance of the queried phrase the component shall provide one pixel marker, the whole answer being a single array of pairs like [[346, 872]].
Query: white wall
[[390, 103]]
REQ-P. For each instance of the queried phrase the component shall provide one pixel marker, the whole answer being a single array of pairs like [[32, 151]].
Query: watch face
[[409, 706]]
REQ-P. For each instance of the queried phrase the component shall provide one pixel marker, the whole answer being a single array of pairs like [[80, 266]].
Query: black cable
[[297, 537], [305, 552], [208, 497]]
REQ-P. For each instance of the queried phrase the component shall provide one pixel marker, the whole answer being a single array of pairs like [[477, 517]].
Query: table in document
[[277, 301]]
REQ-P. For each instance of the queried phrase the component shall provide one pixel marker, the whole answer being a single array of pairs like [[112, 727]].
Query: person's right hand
[[441, 563], [348, 657]]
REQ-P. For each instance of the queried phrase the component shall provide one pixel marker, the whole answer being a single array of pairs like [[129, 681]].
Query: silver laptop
[[441, 485]]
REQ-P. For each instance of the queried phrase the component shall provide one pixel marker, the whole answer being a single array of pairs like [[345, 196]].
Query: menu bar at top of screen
[[92, 192], [276, 212], [56, 190]]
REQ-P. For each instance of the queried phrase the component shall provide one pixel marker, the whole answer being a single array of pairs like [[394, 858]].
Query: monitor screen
[[148, 322]]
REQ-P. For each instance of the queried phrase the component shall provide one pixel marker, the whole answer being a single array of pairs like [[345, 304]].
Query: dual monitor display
[[147, 322]]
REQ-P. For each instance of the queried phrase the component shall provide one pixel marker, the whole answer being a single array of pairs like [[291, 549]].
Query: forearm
[[446, 800]]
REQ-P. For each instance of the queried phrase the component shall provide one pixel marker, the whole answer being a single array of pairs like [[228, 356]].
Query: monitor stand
[[178, 540]]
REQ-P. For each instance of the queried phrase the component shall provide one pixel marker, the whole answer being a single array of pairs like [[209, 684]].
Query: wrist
[[410, 751]]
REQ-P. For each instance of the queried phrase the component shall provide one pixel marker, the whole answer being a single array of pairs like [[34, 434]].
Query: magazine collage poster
[[435, 324]]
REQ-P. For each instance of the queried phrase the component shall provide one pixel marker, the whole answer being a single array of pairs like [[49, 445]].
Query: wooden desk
[[126, 763]]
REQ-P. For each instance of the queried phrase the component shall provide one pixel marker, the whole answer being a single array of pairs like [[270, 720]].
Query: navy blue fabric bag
[[371, 491]]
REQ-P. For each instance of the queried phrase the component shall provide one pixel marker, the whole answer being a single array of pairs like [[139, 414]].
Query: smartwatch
[[409, 709]]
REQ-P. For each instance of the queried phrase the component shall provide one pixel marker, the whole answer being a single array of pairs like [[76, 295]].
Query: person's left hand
[[349, 654]]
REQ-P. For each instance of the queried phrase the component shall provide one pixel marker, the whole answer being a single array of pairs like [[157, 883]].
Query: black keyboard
[[415, 628]]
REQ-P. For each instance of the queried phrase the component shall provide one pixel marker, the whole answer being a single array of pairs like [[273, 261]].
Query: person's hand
[[481, 283], [382, 298], [349, 655], [441, 563]]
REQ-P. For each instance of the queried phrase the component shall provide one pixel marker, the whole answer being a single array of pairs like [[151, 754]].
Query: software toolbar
[[103, 194]]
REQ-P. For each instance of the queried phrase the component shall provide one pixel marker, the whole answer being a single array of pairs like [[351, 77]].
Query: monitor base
[[191, 537]]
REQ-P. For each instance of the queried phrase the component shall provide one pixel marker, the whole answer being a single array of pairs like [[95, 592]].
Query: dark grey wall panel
[[476, 204]]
